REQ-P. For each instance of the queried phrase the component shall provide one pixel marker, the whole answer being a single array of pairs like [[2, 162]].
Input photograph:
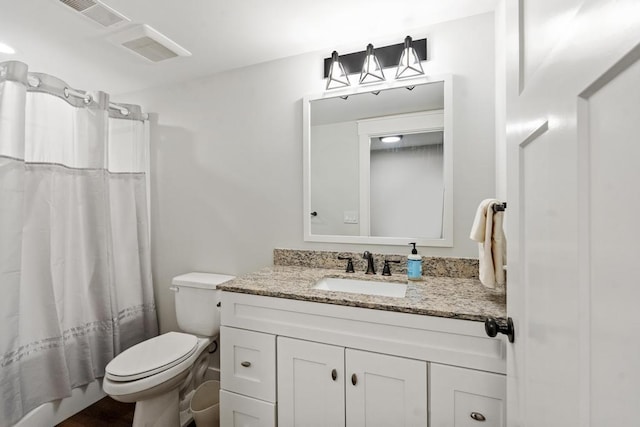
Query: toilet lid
[[151, 356]]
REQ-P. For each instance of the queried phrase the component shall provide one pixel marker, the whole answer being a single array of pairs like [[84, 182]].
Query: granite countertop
[[458, 298]]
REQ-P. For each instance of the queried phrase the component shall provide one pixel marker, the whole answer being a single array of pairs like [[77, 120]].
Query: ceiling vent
[[148, 43], [97, 12]]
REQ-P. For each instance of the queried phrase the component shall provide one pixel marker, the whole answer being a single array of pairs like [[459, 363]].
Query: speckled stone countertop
[[459, 298]]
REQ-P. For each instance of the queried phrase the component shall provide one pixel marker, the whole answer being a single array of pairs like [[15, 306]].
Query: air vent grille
[[103, 16], [96, 11], [148, 43], [150, 49], [79, 5]]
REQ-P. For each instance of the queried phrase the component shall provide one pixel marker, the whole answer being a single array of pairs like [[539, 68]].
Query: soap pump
[[414, 264]]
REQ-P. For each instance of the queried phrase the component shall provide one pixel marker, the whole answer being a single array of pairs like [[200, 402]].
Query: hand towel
[[492, 245]]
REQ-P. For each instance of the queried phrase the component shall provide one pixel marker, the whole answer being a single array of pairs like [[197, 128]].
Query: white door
[[310, 384], [573, 135], [384, 390]]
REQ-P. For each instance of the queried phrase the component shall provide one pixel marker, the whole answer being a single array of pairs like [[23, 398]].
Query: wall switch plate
[[350, 217]]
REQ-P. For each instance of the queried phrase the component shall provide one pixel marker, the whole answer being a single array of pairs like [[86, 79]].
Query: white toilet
[[156, 373]]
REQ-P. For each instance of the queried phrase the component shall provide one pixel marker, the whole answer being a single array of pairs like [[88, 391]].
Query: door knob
[[492, 328]]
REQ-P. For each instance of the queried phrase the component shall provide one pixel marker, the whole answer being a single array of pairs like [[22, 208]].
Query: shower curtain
[[75, 277]]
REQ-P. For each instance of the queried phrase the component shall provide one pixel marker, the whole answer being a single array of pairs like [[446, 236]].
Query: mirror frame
[[447, 222]]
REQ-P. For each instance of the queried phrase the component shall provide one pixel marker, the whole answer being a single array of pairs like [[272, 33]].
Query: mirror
[[360, 187]]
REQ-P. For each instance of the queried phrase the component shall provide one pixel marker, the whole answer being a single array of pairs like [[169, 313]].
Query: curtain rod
[[122, 109], [40, 82]]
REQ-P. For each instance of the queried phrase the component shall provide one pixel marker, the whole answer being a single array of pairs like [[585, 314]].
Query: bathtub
[[51, 413]]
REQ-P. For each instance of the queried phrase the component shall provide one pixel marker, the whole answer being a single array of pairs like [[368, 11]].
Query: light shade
[[409, 64], [391, 139], [337, 76], [371, 69]]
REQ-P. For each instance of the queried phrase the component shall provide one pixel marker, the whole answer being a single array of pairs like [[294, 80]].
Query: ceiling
[[221, 35]]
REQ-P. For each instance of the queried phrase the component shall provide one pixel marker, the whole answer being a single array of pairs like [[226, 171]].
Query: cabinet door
[[384, 390], [466, 398], [243, 411], [310, 384]]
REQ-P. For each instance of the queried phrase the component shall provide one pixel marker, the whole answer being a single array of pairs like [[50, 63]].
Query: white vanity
[[292, 355]]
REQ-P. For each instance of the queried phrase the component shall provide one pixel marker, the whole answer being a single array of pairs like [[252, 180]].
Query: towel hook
[[499, 207]]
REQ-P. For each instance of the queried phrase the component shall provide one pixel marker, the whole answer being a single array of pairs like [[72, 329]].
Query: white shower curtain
[[75, 277]]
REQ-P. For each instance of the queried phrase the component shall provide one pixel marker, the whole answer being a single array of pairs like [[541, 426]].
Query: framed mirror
[[378, 165]]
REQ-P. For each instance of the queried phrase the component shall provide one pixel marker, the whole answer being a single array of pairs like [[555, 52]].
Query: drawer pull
[[354, 379], [245, 364], [477, 416], [334, 374]]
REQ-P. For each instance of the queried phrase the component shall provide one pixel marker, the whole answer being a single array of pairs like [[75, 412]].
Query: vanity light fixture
[[337, 76], [370, 64], [371, 69], [391, 139], [409, 64]]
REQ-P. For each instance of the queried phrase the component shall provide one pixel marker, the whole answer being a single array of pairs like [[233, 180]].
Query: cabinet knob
[[334, 374], [354, 379], [477, 416], [492, 328], [245, 364]]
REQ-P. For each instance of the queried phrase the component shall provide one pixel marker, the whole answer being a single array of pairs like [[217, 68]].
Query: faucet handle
[[386, 270], [349, 264]]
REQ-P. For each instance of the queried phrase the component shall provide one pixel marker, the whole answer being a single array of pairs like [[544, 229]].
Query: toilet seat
[[151, 357], [123, 390]]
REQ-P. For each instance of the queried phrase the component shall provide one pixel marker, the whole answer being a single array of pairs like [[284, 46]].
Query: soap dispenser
[[414, 264]]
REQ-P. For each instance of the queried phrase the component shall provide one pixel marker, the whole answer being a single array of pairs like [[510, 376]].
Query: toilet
[[158, 373]]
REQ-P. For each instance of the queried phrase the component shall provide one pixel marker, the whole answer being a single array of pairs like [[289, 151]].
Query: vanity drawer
[[242, 411], [248, 363], [461, 397]]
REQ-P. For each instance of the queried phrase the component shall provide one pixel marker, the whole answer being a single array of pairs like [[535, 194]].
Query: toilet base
[[160, 411]]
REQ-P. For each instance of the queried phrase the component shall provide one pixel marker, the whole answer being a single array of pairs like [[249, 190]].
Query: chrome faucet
[[371, 268]]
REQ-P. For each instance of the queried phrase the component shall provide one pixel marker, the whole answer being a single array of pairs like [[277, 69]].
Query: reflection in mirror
[[413, 163], [363, 190]]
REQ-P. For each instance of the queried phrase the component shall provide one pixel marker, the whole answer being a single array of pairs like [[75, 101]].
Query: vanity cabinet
[[324, 385], [320, 364]]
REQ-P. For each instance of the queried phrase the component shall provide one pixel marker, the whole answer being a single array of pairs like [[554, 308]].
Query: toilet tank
[[196, 301]]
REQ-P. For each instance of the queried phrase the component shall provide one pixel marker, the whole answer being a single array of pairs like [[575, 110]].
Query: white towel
[[492, 244]]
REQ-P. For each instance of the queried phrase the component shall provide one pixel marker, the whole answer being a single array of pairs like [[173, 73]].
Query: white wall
[[227, 157], [501, 102]]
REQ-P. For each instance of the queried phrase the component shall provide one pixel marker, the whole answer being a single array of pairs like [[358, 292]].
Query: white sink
[[367, 287]]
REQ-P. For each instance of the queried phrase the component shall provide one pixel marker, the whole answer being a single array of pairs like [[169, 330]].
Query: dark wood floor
[[105, 412]]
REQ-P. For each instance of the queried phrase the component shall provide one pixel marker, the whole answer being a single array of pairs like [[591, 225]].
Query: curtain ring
[[34, 81]]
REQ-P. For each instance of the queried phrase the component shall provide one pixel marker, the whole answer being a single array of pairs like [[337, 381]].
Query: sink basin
[[367, 287]]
